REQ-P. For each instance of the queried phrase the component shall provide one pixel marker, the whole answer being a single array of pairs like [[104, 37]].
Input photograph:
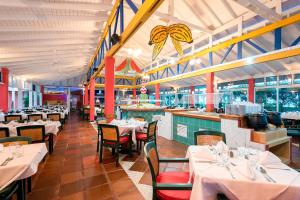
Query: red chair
[[167, 185], [150, 135], [110, 137]]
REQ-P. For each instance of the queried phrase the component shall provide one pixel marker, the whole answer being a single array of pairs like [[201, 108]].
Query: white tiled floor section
[[145, 190]]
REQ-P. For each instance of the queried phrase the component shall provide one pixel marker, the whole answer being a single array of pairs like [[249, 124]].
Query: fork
[[264, 172], [228, 169], [6, 161]]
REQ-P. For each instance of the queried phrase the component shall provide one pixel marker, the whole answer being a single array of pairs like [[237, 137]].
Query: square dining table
[[23, 166], [129, 125], [209, 179]]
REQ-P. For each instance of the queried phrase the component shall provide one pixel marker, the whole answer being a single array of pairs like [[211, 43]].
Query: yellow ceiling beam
[[275, 55], [121, 77], [253, 34], [142, 15], [97, 85], [110, 20]]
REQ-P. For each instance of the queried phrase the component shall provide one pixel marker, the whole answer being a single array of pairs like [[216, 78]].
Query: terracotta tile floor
[[73, 172]]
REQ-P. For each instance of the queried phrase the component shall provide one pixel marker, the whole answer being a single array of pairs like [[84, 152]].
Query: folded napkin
[[268, 158], [221, 147], [204, 155], [245, 169]]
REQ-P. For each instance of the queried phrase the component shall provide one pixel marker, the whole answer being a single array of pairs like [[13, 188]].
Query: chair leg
[[50, 142], [98, 143], [137, 145], [101, 149], [29, 184], [20, 191], [113, 151], [117, 155]]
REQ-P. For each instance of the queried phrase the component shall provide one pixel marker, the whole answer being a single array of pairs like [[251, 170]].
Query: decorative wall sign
[[178, 33]]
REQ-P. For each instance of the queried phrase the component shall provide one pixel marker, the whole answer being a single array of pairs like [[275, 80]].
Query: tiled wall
[[147, 115], [193, 124]]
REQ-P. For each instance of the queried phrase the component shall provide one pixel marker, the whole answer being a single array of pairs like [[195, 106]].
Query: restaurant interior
[[150, 99]]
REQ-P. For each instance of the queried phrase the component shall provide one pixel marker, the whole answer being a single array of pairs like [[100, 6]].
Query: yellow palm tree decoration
[[178, 33]]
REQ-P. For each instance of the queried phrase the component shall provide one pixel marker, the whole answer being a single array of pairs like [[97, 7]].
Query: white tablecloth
[[210, 179], [129, 125], [50, 126], [22, 167]]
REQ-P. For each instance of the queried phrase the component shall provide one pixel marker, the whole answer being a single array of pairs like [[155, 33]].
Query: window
[[297, 79], [271, 80], [267, 98], [240, 96], [289, 99], [285, 79], [259, 82]]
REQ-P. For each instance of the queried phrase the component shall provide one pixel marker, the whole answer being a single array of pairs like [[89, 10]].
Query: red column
[[86, 96], [210, 92], [157, 94], [192, 92], [92, 100], [109, 96], [134, 93], [251, 90], [4, 90]]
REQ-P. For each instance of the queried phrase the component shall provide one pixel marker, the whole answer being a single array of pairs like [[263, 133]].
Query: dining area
[[26, 137], [212, 170]]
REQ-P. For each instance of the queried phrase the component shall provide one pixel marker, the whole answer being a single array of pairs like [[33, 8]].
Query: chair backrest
[[9, 118], [109, 132], [141, 119], [35, 132], [35, 117], [208, 137], [151, 130], [4, 132], [151, 154], [15, 140], [54, 116], [86, 111]]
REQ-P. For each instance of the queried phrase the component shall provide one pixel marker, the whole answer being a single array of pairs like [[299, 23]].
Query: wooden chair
[[110, 137], [86, 113], [9, 118], [167, 185], [35, 117], [99, 132], [18, 186], [208, 137], [15, 187], [37, 134], [55, 117], [138, 118], [150, 135], [21, 140], [4, 132]]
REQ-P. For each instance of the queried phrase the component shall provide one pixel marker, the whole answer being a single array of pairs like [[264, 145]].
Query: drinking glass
[[18, 151]]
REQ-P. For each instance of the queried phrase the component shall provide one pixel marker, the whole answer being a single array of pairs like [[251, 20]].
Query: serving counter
[[185, 123], [144, 112]]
